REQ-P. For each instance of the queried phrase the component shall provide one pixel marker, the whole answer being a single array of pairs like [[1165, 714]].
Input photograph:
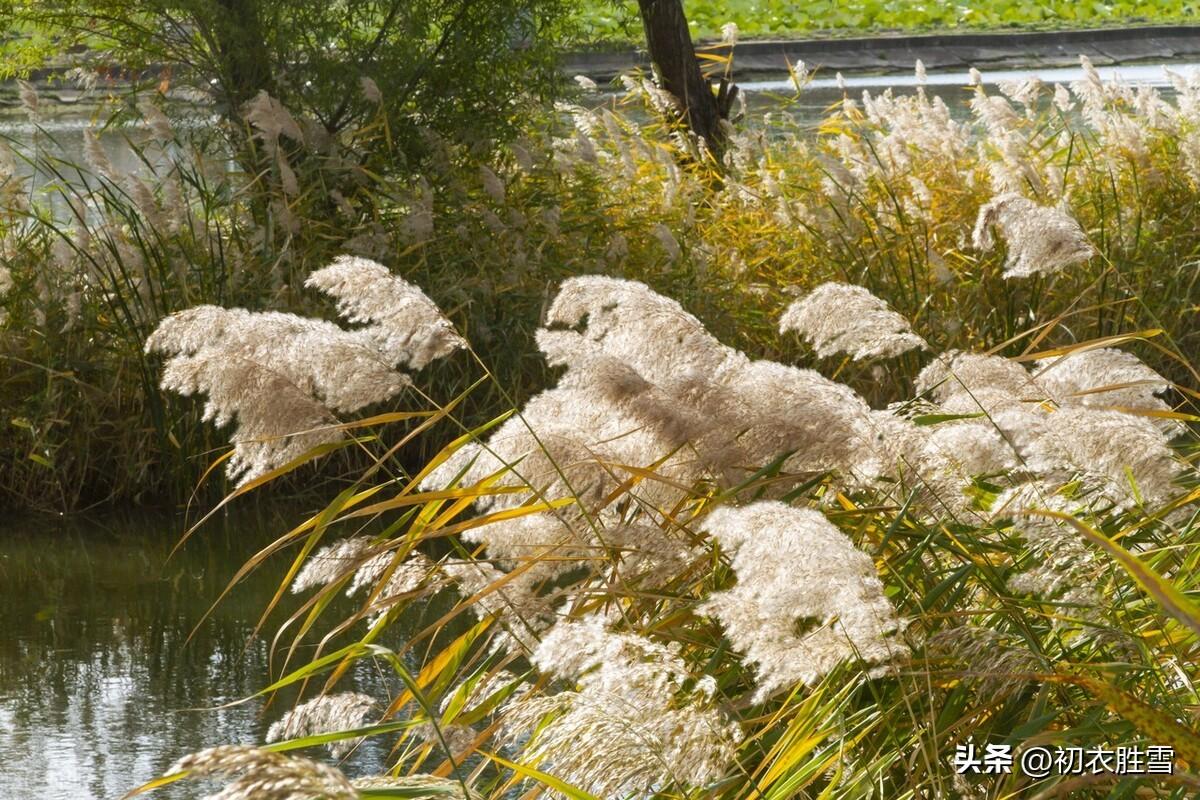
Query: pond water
[[100, 686]]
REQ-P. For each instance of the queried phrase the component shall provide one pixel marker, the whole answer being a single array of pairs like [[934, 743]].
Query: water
[[952, 87], [99, 688], [1137, 74]]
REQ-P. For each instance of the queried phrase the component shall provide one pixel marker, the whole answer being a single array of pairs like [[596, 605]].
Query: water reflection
[[98, 685]]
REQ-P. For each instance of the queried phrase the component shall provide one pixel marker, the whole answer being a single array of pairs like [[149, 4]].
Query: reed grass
[[690, 569], [883, 195]]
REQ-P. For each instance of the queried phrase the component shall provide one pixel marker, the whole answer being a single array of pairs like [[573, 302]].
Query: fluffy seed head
[[1106, 378], [331, 563], [271, 120], [263, 775], [280, 375], [403, 323], [806, 599], [1041, 239], [326, 714], [841, 318], [370, 90], [630, 726]]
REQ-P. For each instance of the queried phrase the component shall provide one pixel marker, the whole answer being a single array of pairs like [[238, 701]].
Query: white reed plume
[[649, 552], [1066, 567], [1123, 456], [1018, 419], [774, 408], [728, 411], [14, 192], [631, 727], [457, 738], [263, 775], [271, 120], [329, 713], [280, 375], [529, 536], [370, 90], [800, 75], [29, 99], [1041, 239], [794, 569], [1106, 378], [287, 176], [492, 184], [955, 372], [95, 157], [404, 324], [729, 33], [331, 563], [949, 456], [841, 318], [556, 447], [512, 601], [1025, 91], [145, 202], [157, 121], [634, 324], [403, 577], [406, 575], [1062, 98]]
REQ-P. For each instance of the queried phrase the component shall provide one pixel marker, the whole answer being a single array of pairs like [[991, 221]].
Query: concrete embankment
[[939, 51]]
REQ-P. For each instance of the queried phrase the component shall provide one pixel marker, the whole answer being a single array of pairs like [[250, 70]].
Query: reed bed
[[885, 194], [689, 566]]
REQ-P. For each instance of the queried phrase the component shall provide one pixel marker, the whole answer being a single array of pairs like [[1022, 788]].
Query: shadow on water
[[99, 689]]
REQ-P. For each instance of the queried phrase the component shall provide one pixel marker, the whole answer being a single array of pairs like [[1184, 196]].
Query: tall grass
[[599, 665], [885, 194], [690, 569]]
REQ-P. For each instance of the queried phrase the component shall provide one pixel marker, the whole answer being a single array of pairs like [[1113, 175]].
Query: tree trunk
[[243, 53], [670, 44]]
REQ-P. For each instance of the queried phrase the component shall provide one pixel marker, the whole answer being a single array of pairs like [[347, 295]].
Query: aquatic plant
[[732, 576], [885, 196]]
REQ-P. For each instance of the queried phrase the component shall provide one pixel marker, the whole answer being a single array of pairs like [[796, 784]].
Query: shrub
[[460, 68]]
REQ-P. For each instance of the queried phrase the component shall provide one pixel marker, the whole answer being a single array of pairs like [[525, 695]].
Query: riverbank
[[942, 51]]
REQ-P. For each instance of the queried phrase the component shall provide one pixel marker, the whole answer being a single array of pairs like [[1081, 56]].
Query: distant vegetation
[[605, 20]]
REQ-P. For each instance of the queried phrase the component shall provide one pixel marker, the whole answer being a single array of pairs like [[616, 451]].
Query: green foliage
[[604, 20], [455, 66], [83, 422]]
